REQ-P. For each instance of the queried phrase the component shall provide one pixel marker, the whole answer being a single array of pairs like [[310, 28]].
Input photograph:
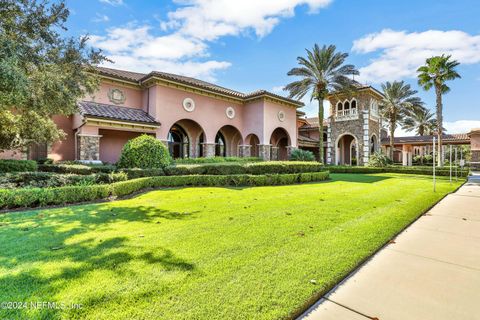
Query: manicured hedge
[[37, 197], [76, 168], [139, 173], [255, 168], [443, 171], [22, 198], [17, 165], [216, 160]]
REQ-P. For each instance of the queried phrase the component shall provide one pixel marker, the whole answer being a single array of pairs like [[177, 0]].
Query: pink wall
[[134, 97], [112, 142], [12, 154], [272, 121], [209, 112]]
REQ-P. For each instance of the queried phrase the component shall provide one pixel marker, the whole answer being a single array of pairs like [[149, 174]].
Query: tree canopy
[[321, 72], [42, 72]]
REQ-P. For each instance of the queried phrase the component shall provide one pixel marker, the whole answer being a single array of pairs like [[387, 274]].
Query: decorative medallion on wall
[[188, 104], [230, 112], [281, 116], [116, 96]]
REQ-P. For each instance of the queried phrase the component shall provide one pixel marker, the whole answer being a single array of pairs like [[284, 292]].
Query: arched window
[[178, 143], [339, 109], [354, 107], [220, 145], [346, 107]]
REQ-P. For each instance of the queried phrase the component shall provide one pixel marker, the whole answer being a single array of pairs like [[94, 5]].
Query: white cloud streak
[[400, 53], [183, 46]]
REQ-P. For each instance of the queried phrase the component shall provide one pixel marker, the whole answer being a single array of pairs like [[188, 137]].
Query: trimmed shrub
[[17, 165], [302, 155], [443, 171], [379, 159], [22, 198], [144, 152], [76, 168], [255, 168], [139, 173], [216, 160]]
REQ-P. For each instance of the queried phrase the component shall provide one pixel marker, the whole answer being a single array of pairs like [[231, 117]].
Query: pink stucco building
[[194, 118]]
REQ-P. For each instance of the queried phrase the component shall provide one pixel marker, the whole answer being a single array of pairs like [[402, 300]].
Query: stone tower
[[354, 126]]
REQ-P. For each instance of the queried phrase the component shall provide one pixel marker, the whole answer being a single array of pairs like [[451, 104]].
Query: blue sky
[[251, 44]]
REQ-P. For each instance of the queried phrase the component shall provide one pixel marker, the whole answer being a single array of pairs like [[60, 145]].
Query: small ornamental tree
[[144, 152]]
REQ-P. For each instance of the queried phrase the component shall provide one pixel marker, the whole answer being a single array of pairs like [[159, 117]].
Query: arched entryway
[[280, 141], [253, 141], [185, 139], [347, 150], [227, 140]]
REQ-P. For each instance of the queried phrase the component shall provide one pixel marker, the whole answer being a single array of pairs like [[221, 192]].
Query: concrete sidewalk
[[431, 272]]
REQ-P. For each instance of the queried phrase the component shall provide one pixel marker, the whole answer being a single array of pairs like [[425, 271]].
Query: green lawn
[[204, 253]]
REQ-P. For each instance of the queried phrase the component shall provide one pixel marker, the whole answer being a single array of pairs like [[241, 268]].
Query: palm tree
[[435, 73], [399, 99], [322, 71], [420, 120]]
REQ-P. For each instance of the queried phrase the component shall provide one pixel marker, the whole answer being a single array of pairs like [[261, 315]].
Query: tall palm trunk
[[320, 129], [392, 133], [438, 92]]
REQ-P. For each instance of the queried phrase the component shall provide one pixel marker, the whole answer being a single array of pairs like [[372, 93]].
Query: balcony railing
[[349, 114]]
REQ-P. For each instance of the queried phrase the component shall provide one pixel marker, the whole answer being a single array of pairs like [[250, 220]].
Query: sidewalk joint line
[[433, 259], [350, 309]]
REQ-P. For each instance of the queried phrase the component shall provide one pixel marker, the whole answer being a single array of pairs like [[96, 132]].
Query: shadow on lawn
[[48, 240]]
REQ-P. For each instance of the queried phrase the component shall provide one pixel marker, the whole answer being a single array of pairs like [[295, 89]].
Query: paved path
[[431, 272]]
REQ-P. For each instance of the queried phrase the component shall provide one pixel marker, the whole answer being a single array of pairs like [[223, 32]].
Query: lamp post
[[434, 164]]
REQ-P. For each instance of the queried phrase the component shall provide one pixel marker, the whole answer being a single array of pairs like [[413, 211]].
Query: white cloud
[[461, 126], [113, 2], [182, 47], [401, 53], [136, 49], [211, 19], [101, 18]]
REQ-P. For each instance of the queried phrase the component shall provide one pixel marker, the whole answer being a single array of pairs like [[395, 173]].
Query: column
[[208, 149], [244, 150], [406, 155], [329, 142], [289, 151], [89, 147], [366, 139], [264, 151], [274, 153]]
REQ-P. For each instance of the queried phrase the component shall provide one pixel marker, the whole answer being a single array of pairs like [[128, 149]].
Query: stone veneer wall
[[353, 127], [89, 147]]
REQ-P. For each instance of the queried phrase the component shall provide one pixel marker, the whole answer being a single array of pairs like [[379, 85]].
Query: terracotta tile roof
[[108, 111], [307, 139], [126, 75], [141, 77], [453, 138], [312, 123]]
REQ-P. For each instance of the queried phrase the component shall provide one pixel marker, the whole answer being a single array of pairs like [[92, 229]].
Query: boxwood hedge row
[[17, 165], [254, 168], [442, 171], [35, 197]]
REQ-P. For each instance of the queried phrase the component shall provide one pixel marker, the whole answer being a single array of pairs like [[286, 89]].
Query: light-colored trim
[[89, 135], [120, 124]]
